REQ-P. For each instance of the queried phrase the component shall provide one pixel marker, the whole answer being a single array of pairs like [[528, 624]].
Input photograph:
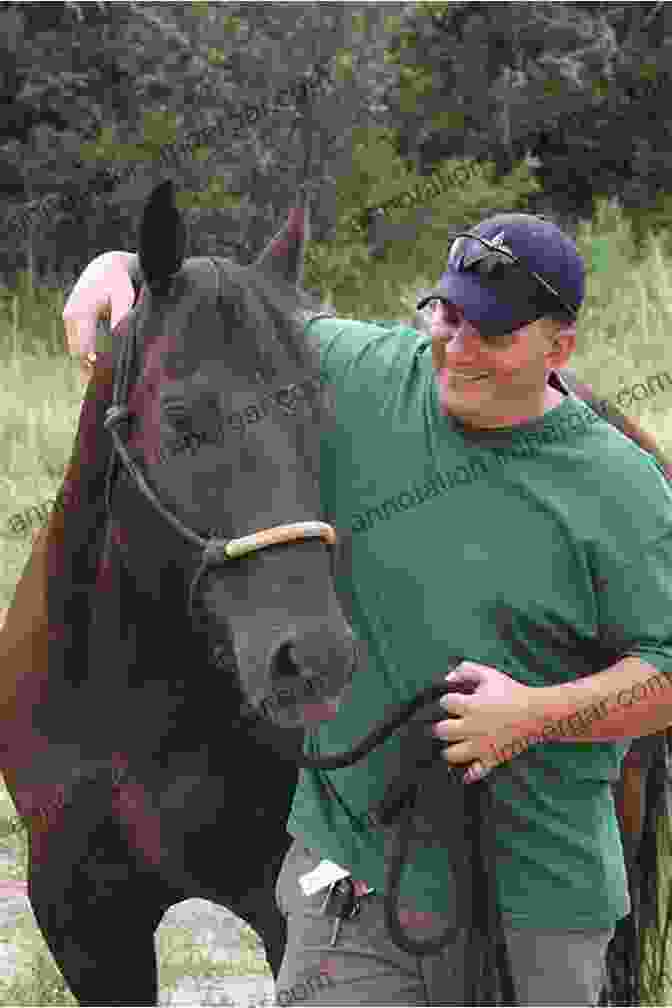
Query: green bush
[[363, 287]]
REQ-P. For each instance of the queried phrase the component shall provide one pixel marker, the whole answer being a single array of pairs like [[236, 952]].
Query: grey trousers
[[365, 967]]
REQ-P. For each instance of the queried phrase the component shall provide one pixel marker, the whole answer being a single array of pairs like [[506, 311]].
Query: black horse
[[153, 714]]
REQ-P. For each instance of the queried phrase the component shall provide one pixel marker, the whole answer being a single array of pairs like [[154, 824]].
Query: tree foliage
[[558, 103]]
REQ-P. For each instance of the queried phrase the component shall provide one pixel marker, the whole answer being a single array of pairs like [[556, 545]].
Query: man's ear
[[564, 330]]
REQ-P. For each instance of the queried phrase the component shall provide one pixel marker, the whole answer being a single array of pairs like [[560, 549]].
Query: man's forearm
[[630, 699]]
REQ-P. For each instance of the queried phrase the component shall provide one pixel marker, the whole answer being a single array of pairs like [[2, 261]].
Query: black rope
[[479, 907]]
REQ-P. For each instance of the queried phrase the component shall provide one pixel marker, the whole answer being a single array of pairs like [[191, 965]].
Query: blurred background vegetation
[[559, 103]]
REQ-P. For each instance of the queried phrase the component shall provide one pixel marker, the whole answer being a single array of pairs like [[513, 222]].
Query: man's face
[[515, 367]]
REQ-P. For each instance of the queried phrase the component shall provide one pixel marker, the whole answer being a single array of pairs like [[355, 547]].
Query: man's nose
[[461, 344], [463, 338], [464, 333]]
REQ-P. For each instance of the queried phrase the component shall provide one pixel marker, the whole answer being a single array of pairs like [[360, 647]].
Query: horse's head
[[226, 418]]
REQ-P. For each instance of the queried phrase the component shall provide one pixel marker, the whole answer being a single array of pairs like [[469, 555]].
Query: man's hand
[[103, 290], [489, 726]]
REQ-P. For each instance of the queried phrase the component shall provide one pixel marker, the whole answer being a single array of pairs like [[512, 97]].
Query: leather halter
[[215, 551]]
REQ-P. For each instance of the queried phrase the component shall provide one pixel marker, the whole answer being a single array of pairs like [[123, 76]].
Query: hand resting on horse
[[104, 290]]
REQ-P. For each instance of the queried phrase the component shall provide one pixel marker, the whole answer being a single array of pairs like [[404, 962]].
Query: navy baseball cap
[[514, 298]]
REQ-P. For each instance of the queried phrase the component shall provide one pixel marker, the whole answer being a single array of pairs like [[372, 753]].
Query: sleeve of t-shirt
[[635, 605], [362, 352]]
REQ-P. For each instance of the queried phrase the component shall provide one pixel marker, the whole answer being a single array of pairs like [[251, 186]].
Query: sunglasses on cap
[[509, 279]]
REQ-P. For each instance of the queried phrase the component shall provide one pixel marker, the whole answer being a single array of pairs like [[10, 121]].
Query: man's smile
[[464, 377]]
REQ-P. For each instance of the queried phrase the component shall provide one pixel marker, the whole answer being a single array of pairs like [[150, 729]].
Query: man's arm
[[627, 700], [500, 717], [630, 698]]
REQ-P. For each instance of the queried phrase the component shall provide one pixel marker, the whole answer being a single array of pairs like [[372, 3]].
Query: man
[[497, 518], [492, 517]]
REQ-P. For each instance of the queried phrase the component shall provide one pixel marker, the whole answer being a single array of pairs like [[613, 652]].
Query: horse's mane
[[44, 643], [74, 550]]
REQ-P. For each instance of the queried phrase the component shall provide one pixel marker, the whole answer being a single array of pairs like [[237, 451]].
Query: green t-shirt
[[562, 524]]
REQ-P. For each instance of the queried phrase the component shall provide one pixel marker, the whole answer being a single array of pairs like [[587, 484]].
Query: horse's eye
[[174, 412], [230, 313]]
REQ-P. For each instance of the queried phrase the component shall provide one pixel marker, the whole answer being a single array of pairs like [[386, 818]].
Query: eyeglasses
[[498, 267]]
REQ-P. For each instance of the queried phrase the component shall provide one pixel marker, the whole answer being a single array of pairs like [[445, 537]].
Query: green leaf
[[599, 255], [648, 71], [231, 24], [106, 137], [553, 87], [229, 200], [600, 87], [451, 119], [392, 23], [187, 200], [133, 152], [359, 24], [408, 100], [89, 151], [216, 56], [437, 10], [215, 196], [343, 61], [159, 128]]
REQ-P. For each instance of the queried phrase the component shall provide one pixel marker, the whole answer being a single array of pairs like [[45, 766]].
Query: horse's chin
[[305, 715], [299, 715], [311, 715], [315, 713]]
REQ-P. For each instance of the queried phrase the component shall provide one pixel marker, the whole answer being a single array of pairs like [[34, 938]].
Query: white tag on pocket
[[324, 875]]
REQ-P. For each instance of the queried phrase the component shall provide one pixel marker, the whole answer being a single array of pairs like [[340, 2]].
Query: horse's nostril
[[285, 662], [292, 655]]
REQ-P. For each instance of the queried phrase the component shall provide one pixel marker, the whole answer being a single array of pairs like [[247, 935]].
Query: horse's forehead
[[189, 344], [213, 271], [202, 275], [202, 278], [199, 283], [197, 342]]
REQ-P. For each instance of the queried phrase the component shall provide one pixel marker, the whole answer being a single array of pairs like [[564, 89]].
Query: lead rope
[[404, 793]]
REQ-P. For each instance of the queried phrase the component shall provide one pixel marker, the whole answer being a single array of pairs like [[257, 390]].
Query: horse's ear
[[163, 239], [284, 256]]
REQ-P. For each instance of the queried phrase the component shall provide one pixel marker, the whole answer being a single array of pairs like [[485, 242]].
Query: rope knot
[[215, 551], [114, 414]]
